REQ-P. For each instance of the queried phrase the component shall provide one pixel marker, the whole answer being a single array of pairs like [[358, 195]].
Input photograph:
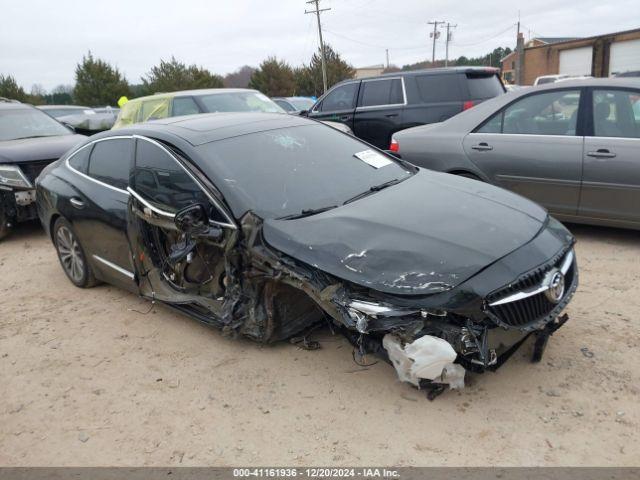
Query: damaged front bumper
[[432, 348]]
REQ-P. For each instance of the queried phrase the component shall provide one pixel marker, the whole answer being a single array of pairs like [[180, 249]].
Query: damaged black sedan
[[265, 225]]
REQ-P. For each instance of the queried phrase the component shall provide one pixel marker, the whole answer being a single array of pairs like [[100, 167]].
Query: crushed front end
[[476, 326]]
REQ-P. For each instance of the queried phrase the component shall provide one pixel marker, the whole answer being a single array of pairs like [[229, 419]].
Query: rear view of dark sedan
[[29, 141], [266, 225]]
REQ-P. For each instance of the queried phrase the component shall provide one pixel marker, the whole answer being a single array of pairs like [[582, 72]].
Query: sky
[[41, 41]]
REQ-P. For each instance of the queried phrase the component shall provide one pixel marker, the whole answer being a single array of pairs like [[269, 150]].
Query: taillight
[[395, 146], [467, 105]]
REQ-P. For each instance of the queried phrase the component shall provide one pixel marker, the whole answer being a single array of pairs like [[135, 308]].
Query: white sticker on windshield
[[373, 158]]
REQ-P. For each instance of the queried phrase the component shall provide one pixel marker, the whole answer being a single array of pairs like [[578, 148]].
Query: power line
[[317, 12], [486, 39], [420, 47]]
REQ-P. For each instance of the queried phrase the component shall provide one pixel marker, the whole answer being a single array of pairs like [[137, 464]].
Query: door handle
[[76, 202], [391, 115], [601, 153], [345, 118], [482, 147]]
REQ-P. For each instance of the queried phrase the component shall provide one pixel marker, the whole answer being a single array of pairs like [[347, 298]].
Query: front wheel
[[71, 255], [5, 227]]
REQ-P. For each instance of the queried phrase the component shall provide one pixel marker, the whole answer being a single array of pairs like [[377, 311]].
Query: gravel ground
[[92, 377]]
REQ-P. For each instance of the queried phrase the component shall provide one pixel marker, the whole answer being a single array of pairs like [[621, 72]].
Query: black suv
[[375, 108]]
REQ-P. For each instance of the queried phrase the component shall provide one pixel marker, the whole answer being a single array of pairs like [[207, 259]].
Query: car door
[[533, 147], [98, 208], [338, 105], [183, 269], [379, 111], [611, 179]]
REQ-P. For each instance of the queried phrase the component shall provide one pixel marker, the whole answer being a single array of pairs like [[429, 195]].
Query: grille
[[523, 312], [33, 169]]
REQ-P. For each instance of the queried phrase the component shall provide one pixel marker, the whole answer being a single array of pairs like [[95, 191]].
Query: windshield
[[282, 172], [28, 123], [239, 102], [302, 103]]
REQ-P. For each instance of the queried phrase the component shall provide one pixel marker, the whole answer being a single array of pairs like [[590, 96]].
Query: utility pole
[[317, 12], [447, 40], [435, 34], [387, 58]]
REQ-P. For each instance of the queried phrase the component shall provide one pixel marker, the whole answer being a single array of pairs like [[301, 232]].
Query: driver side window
[[159, 178], [552, 113], [340, 98]]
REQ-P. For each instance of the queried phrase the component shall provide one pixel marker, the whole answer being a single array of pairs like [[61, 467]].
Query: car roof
[[630, 82], [50, 107], [185, 93], [14, 106], [210, 127], [434, 71]]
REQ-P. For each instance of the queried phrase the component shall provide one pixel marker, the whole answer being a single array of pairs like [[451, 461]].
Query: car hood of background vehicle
[[35, 149], [425, 235]]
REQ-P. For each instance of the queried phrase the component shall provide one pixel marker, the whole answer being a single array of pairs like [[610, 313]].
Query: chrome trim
[[566, 264], [115, 267], [534, 135], [521, 295], [84, 175], [230, 222], [156, 210], [375, 309]]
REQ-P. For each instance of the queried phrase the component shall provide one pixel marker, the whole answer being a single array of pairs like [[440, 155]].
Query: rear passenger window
[[110, 162], [439, 88], [184, 106], [80, 160], [158, 177], [616, 113], [381, 92]]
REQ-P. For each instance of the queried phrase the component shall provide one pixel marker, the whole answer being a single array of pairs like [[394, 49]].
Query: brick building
[[598, 56]]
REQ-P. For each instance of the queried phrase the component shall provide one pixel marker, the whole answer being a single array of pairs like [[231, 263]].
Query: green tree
[[98, 83], [173, 75], [274, 78], [309, 79], [10, 89]]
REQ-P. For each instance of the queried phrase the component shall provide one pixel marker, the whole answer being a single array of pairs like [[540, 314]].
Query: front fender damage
[[269, 296]]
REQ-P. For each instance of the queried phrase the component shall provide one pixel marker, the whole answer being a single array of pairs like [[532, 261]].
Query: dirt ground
[[89, 378]]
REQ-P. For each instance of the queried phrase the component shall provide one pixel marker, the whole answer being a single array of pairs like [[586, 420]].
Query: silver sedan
[[573, 147]]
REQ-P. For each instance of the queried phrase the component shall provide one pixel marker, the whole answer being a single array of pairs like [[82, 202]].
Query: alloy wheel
[[70, 254]]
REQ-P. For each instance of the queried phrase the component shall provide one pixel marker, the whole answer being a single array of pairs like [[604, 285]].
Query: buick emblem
[[556, 286]]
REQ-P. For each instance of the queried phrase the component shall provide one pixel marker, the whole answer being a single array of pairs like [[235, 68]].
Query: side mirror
[[192, 219], [69, 126], [303, 113]]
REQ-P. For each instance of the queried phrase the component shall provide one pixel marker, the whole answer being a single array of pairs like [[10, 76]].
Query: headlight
[[12, 176]]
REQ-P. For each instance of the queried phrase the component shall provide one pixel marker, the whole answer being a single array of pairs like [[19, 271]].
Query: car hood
[[36, 149], [425, 235]]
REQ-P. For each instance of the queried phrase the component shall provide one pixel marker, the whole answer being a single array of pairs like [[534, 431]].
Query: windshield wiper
[[307, 213], [33, 136], [375, 188]]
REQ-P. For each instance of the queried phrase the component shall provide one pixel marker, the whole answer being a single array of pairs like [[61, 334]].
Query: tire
[[71, 255], [5, 229]]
